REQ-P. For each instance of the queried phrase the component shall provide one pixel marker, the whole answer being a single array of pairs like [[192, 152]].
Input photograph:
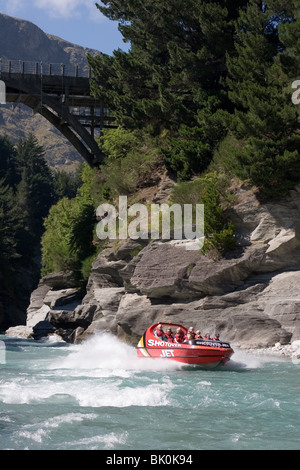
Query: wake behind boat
[[207, 353]]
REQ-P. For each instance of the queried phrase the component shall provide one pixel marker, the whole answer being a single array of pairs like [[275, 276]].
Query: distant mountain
[[23, 40]]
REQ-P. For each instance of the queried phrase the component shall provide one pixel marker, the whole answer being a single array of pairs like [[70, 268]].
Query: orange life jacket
[[159, 333], [179, 337], [170, 338]]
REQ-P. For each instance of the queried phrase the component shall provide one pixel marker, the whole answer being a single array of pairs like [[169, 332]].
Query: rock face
[[252, 297], [53, 302]]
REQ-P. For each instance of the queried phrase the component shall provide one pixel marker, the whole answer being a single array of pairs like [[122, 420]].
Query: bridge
[[62, 95]]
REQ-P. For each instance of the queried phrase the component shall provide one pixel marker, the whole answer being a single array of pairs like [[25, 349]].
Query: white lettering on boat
[[167, 353], [155, 342], [165, 344]]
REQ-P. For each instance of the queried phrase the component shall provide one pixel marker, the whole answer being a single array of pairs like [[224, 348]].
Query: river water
[[99, 396]]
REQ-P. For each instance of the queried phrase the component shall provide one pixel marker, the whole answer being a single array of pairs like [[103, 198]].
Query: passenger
[[189, 336], [207, 336], [191, 331], [216, 337], [169, 335], [198, 335], [159, 332], [179, 336]]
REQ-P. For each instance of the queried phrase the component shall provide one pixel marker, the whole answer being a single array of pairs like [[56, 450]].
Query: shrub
[[209, 190]]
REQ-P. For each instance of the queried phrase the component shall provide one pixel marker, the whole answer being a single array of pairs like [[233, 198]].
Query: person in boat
[[207, 336], [189, 336], [179, 336], [169, 335], [198, 335], [159, 332], [191, 332], [216, 337]]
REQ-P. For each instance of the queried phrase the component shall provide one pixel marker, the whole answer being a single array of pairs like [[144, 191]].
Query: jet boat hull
[[208, 354]]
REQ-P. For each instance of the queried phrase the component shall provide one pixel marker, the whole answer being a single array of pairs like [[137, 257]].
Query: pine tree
[[172, 77], [9, 226], [8, 163], [35, 193], [265, 120], [65, 184]]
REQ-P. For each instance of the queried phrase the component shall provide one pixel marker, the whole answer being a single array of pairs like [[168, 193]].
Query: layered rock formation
[[252, 297]]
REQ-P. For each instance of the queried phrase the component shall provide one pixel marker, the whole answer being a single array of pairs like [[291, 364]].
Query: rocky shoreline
[[288, 351], [251, 297]]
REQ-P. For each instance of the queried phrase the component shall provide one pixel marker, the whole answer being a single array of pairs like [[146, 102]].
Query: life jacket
[[179, 338], [159, 333], [191, 333], [189, 339], [169, 338]]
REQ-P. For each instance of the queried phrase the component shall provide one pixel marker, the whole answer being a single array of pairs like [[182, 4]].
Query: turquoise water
[[99, 395]]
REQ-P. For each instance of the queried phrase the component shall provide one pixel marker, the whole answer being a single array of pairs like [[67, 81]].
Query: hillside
[[22, 40]]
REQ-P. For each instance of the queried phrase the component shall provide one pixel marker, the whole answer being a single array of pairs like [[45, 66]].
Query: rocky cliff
[[252, 297]]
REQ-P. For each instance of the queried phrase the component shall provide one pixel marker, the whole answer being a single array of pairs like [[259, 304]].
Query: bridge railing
[[43, 68]]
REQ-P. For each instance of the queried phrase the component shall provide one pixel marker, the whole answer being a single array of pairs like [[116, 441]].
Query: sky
[[77, 21]]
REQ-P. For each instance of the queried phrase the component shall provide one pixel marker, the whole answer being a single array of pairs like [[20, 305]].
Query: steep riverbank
[[251, 297]]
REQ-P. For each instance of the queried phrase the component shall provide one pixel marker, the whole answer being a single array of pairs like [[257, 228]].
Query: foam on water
[[249, 360], [98, 373], [87, 393], [100, 395], [109, 441], [94, 374]]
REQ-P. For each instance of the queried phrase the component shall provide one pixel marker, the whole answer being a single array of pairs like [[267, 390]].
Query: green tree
[[25, 198], [133, 159], [67, 241], [211, 191], [218, 230], [8, 163], [35, 193], [65, 184], [287, 14], [9, 226], [264, 120], [173, 76]]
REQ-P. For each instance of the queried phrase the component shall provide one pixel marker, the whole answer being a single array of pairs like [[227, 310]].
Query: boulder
[[52, 303], [20, 331]]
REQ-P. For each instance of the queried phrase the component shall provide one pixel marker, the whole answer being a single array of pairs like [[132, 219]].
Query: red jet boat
[[207, 353]]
